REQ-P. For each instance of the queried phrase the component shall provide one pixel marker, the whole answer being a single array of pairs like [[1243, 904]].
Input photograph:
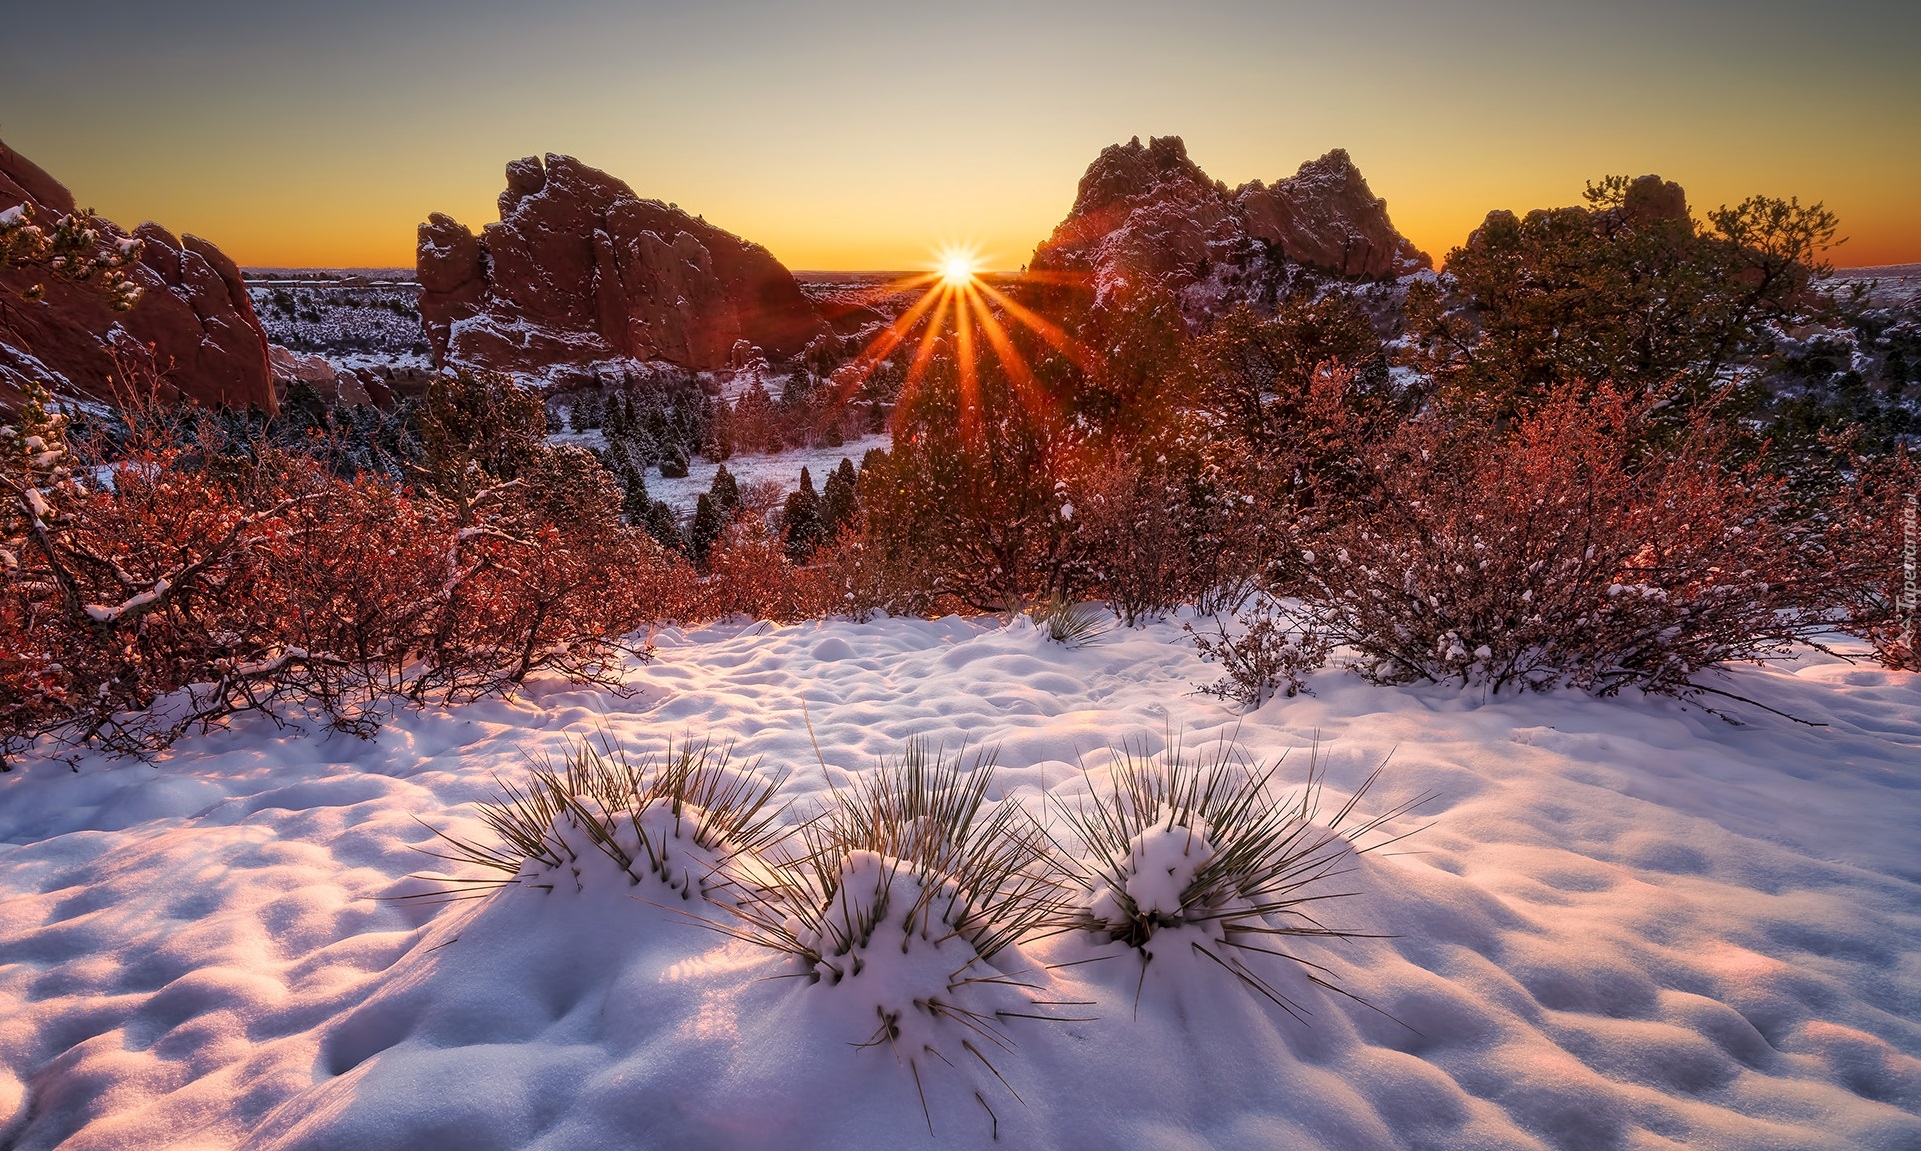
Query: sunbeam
[[956, 293]]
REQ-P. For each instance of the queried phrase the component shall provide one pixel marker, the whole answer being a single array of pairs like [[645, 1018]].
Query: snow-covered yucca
[[1200, 855], [1068, 623], [905, 899], [676, 819]]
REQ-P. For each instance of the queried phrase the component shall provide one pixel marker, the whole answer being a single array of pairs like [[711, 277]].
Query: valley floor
[[1618, 924]]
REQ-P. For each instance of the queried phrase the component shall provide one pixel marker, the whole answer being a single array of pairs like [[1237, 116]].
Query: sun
[[957, 269], [958, 310]]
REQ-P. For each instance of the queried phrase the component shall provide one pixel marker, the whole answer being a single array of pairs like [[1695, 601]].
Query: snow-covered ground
[[357, 321], [782, 468], [1623, 924]]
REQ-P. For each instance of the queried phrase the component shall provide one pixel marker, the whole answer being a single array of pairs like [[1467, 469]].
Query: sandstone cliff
[[194, 318], [581, 278], [1148, 212]]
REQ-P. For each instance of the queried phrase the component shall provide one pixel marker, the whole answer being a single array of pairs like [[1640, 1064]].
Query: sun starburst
[[957, 301], [957, 269]]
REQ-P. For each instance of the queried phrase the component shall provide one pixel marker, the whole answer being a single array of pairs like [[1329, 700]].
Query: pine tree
[[801, 520], [665, 527], [718, 444], [588, 412], [619, 418], [726, 491], [840, 506], [635, 503], [673, 460], [705, 531]]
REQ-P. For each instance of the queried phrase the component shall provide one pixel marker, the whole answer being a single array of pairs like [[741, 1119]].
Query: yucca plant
[[1068, 624], [909, 890], [644, 816], [1201, 854]]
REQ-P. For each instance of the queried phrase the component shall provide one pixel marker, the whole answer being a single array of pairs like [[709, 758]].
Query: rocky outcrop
[[1325, 216], [580, 278], [1149, 213], [329, 381], [194, 320]]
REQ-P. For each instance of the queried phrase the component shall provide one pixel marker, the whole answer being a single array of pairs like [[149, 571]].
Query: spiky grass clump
[[644, 816], [907, 896], [1069, 624], [1201, 855]]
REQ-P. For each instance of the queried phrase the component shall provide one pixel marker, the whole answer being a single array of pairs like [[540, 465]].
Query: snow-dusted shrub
[[194, 576], [1199, 857], [749, 572], [118, 596], [1563, 549], [1271, 652], [1139, 536], [674, 819], [76, 247], [903, 903], [1878, 570], [867, 581]]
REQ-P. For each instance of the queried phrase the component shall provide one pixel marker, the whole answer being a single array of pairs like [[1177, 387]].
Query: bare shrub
[[1272, 653], [1137, 536], [1877, 515], [1558, 550]]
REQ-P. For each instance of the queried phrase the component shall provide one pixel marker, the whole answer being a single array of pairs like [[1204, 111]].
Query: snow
[[782, 468], [104, 614], [355, 321], [1163, 861], [1618, 923]]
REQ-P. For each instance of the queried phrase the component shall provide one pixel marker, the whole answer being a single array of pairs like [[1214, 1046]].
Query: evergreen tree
[[801, 521], [718, 443], [588, 412], [673, 461], [840, 507], [663, 526], [705, 531], [635, 503], [726, 491], [1629, 289], [619, 423]]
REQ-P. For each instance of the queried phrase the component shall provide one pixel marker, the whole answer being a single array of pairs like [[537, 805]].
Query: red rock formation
[[1324, 216], [194, 318], [580, 276], [1149, 213]]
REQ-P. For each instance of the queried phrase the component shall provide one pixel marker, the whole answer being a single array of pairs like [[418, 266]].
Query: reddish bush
[[1557, 551], [1878, 521], [750, 574], [211, 577], [122, 595], [1139, 537]]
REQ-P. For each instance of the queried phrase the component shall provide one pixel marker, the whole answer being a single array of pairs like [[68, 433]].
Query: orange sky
[[850, 135]]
